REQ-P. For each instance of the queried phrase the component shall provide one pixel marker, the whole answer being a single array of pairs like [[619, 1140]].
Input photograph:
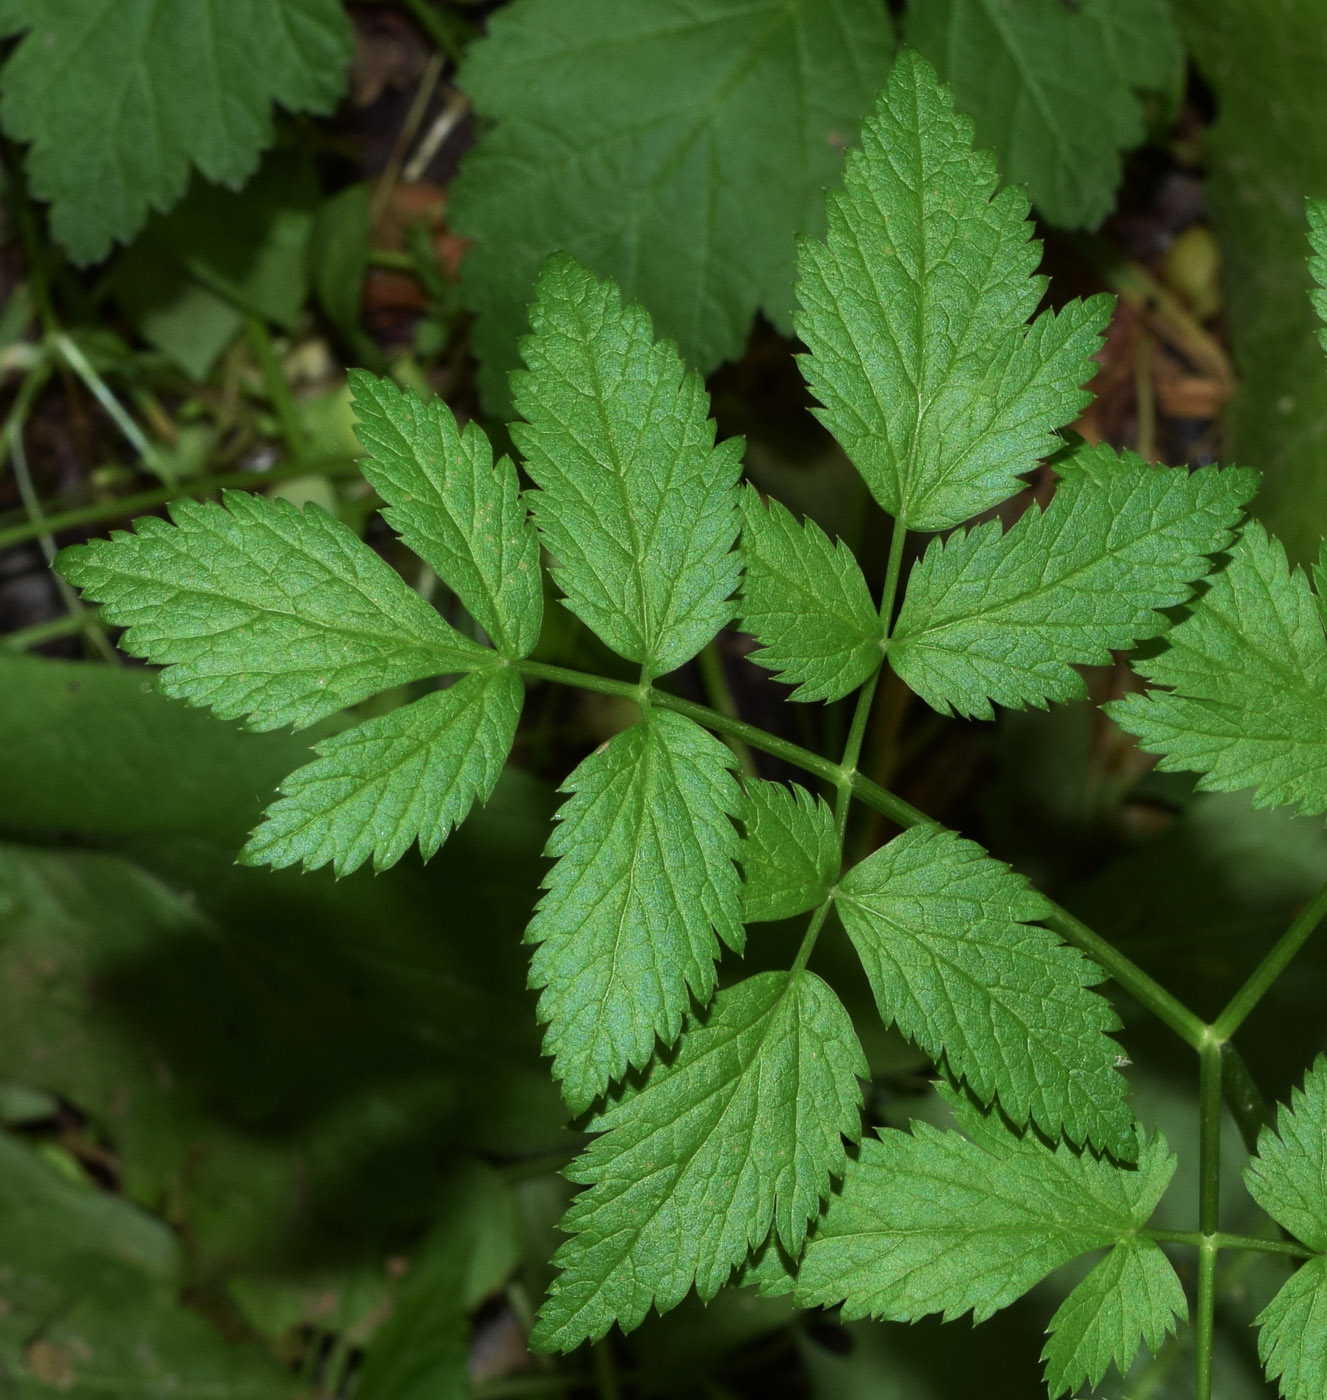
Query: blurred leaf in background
[[1267, 151], [1054, 88], [119, 98], [676, 146]]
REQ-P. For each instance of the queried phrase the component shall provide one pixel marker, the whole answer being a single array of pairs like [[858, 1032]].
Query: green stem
[[276, 385], [720, 695], [41, 632], [433, 25], [1225, 1241], [1205, 1329], [1143, 988], [1271, 967], [605, 1370], [104, 511], [1209, 1205], [115, 410]]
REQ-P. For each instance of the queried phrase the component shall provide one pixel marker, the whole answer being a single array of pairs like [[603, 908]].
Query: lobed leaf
[[674, 145], [1054, 88], [1246, 671], [257, 609], [946, 936], [1133, 1295], [1292, 1333], [454, 507], [635, 502], [645, 878], [412, 774], [790, 856], [805, 600], [740, 1133], [1005, 617], [930, 1222], [915, 314], [120, 97]]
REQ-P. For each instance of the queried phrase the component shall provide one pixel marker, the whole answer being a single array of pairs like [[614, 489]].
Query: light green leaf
[[1133, 1295], [1006, 616], [120, 97], [1053, 88], [412, 774], [929, 1222], [674, 145], [915, 313], [1247, 677], [1288, 1177], [743, 1131], [1317, 216], [945, 935], [458, 511], [258, 609], [637, 505], [1292, 1333], [805, 600], [645, 878], [790, 854]]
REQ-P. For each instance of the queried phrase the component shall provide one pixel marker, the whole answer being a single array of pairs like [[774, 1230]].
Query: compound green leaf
[[458, 511], [1246, 671], [645, 877], [1292, 1333], [930, 1222], [1133, 1295], [741, 1132], [790, 854], [674, 145], [1317, 214], [915, 314], [635, 502], [258, 609], [945, 935], [1288, 1177], [1005, 617], [120, 97], [805, 600], [1053, 88], [412, 774]]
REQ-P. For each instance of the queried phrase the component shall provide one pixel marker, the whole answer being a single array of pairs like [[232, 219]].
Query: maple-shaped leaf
[[635, 502], [676, 146], [1245, 677], [119, 98], [644, 888], [1006, 616], [260, 610], [949, 941], [739, 1134], [1055, 88], [915, 313]]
